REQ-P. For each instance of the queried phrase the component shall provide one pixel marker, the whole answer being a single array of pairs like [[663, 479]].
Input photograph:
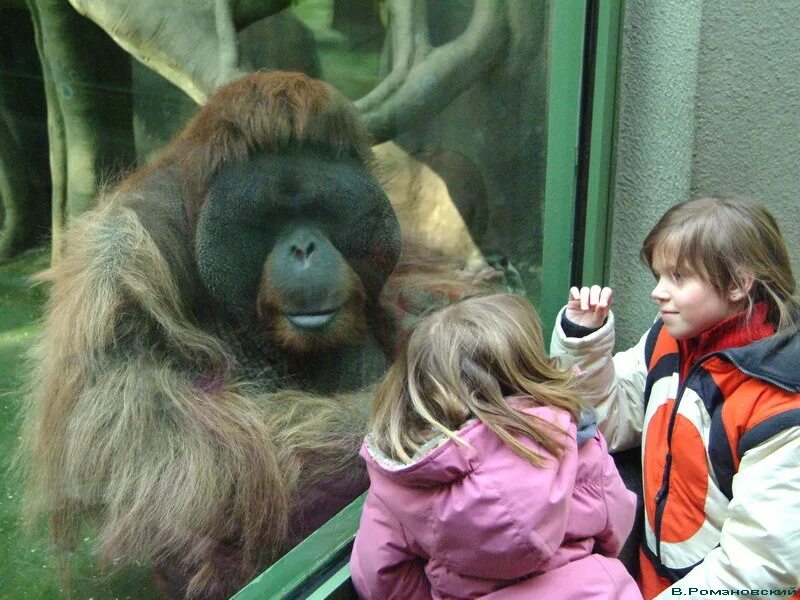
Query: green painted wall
[[708, 102]]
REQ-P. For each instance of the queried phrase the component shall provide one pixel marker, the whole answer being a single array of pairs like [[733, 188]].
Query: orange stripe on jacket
[[748, 401], [651, 584], [665, 344]]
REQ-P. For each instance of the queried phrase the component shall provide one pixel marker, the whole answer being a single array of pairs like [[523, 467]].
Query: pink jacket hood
[[477, 519]]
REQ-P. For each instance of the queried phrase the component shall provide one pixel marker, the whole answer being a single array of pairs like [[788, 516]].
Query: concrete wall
[[709, 102], [747, 112]]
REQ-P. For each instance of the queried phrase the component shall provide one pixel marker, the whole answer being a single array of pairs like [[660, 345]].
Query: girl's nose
[[659, 293]]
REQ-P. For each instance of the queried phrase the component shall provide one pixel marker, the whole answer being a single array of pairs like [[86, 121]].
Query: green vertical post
[[599, 189], [566, 32]]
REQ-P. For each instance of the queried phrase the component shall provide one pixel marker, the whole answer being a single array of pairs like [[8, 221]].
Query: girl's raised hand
[[588, 306]]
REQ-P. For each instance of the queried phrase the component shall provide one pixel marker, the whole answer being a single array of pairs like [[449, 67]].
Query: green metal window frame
[[600, 189], [321, 557], [568, 25], [566, 35], [317, 568]]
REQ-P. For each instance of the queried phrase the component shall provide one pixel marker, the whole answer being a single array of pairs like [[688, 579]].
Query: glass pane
[[455, 95]]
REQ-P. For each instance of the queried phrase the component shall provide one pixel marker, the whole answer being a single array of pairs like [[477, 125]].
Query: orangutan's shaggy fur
[[150, 417]]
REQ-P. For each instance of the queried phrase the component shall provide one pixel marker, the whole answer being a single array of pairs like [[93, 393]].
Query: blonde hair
[[462, 361], [726, 240]]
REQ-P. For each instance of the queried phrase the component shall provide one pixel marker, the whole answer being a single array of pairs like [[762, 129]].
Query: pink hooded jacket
[[485, 523]]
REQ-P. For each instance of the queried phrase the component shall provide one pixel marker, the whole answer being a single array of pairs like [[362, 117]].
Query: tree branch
[[188, 43], [228, 65], [422, 39], [438, 76], [246, 12], [401, 21]]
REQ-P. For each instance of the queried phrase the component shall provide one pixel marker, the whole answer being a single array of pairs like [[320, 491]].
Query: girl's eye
[[676, 275]]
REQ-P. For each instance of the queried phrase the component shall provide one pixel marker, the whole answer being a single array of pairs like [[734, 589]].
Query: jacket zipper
[[661, 495], [761, 377], [663, 491]]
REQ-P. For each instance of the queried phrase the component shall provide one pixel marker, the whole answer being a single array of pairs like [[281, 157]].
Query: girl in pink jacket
[[488, 480]]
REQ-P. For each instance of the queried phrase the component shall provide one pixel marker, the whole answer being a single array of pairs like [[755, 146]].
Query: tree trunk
[[22, 223], [24, 173], [88, 89]]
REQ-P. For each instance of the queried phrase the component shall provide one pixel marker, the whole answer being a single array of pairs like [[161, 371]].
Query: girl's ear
[[740, 291]]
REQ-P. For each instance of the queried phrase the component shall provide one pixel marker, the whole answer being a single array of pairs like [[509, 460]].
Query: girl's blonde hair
[[463, 361], [726, 240]]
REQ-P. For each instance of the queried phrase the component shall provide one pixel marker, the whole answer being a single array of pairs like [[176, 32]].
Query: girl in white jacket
[[712, 394]]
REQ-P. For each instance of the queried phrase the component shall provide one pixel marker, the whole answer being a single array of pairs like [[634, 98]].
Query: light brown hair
[[726, 240], [464, 361]]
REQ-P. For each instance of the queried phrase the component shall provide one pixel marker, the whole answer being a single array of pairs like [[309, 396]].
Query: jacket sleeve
[[760, 543], [382, 566], [614, 386], [620, 508]]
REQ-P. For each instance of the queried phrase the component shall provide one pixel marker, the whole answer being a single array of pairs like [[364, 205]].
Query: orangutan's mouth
[[312, 320]]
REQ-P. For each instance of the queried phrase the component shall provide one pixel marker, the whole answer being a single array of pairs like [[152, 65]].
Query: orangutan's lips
[[312, 320]]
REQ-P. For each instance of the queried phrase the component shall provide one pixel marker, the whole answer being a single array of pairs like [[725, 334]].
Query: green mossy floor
[[28, 564]]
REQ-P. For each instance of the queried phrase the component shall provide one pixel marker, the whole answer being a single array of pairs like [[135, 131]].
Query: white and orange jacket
[[720, 456]]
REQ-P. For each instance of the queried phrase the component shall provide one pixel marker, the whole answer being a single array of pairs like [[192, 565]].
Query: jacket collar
[[775, 359], [444, 461], [738, 330], [439, 464]]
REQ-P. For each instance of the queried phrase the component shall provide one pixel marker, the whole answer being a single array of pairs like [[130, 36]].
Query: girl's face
[[689, 305]]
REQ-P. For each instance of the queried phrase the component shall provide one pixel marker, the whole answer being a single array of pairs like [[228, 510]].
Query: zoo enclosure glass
[[475, 105]]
